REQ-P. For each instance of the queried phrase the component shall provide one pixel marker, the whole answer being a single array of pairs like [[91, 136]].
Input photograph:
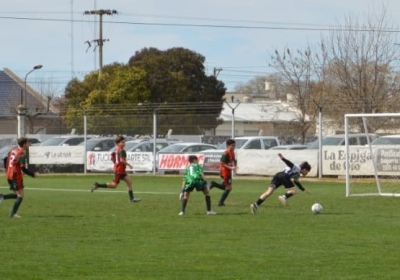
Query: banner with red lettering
[[176, 161]]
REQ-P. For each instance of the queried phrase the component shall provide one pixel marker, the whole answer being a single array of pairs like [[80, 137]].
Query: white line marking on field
[[88, 191]]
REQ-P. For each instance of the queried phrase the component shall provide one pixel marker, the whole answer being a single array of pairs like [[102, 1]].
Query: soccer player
[[15, 166], [228, 164], [285, 177], [193, 178], [120, 164]]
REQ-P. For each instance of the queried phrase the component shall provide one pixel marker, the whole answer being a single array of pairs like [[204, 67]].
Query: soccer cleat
[[136, 200], [94, 187], [220, 204], [253, 208], [181, 213], [282, 198], [211, 213], [1, 198], [16, 216]]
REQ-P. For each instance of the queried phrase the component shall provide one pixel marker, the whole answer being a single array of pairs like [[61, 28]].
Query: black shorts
[[200, 185], [280, 179]]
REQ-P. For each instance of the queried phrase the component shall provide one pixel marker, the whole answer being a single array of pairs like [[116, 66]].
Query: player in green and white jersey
[[193, 178]]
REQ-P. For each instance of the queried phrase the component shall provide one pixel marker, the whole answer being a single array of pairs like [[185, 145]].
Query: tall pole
[[233, 115], [22, 108], [100, 41]]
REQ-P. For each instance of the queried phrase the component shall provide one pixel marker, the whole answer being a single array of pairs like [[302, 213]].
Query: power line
[[343, 29]]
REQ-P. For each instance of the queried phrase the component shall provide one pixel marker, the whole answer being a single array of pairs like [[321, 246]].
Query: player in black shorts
[[289, 177]]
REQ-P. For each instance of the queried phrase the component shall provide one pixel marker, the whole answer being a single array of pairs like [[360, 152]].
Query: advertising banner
[[176, 161], [56, 154]]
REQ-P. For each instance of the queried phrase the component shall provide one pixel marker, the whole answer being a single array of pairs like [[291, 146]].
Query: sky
[[236, 37]]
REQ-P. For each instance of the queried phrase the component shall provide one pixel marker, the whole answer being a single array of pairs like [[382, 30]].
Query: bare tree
[[303, 74], [361, 57]]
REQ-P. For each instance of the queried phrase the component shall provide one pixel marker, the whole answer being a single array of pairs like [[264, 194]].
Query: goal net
[[373, 168]]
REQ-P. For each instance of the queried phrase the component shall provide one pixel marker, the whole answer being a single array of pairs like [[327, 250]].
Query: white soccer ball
[[316, 208]]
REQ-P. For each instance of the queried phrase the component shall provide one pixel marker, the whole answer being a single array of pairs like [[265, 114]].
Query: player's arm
[[299, 185], [286, 161], [123, 160], [23, 166], [28, 172], [224, 162]]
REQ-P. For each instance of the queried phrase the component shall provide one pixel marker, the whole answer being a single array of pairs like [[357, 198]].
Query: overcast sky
[[236, 36]]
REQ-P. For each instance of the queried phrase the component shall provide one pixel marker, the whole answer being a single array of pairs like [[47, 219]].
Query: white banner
[[101, 161], [268, 163], [387, 159], [56, 154]]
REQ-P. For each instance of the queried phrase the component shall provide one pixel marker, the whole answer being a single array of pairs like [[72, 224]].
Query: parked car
[[64, 140], [254, 142], [290, 147], [148, 145], [339, 140], [100, 144], [387, 140], [187, 148]]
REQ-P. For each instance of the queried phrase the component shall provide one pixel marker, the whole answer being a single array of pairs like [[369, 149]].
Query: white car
[[387, 140]]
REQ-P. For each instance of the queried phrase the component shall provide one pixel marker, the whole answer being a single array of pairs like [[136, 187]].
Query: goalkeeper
[[193, 178]]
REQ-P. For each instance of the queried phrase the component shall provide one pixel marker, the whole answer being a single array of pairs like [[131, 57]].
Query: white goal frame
[[379, 191]]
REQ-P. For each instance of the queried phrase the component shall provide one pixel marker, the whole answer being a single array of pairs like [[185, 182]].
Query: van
[[360, 139]]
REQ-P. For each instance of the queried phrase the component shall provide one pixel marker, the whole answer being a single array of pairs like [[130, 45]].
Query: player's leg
[[185, 199], [19, 191], [228, 187], [290, 191], [214, 184], [127, 179], [112, 185], [262, 198], [12, 195]]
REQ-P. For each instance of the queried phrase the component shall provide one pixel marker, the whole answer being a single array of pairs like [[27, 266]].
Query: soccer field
[[69, 233]]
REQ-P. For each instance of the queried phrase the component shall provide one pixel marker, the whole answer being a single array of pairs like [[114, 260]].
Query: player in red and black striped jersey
[[119, 159], [228, 164], [15, 166]]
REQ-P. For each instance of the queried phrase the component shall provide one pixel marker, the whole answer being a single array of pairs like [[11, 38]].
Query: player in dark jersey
[[289, 177], [193, 178], [16, 165], [119, 159], [228, 164]]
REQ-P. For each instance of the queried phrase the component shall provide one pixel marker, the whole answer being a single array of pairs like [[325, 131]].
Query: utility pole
[[100, 40]]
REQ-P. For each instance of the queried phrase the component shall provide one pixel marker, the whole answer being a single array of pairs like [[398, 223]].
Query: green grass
[[69, 233]]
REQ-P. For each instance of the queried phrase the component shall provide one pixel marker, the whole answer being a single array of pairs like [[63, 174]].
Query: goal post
[[373, 169]]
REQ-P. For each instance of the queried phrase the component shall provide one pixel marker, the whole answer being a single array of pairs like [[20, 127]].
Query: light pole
[[36, 67], [21, 109], [233, 115]]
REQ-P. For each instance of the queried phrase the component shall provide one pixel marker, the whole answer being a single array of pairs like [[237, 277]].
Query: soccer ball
[[316, 208]]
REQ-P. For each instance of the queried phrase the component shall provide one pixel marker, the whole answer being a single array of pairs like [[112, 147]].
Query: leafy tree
[[113, 93], [172, 83], [177, 75]]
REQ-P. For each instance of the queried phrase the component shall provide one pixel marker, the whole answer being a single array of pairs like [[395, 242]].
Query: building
[[41, 114]]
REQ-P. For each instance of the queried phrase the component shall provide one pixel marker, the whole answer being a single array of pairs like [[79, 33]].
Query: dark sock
[[15, 208], [130, 194], [223, 197], [184, 202], [259, 202], [208, 202], [10, 196], [102, 185], [287, 195], [216, 185]]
